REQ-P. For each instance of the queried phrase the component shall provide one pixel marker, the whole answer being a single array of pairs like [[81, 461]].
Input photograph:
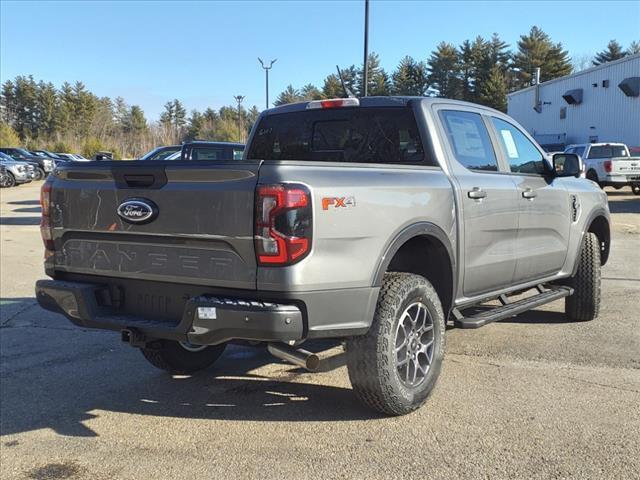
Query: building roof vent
[[630, 86], [573, 97]]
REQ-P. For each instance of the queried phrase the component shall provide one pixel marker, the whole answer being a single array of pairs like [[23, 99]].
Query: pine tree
[[310, 92], [378, 83], [8, 103], [290, 95], [25, 94], [537, 50], [120, 112], [138, 123], [410, 78], [65, 110], [493, 92], [166, 117], [444, 68], [634, 48], [614, 51], [196, 125], [332, 87], [179, 114], [47, 104], [473, 59]]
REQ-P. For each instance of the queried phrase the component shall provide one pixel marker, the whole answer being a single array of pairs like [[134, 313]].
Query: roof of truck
[[388, 101]]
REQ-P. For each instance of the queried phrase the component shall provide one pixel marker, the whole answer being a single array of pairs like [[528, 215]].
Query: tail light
[[607, 166], [283, 224], [45, 220]]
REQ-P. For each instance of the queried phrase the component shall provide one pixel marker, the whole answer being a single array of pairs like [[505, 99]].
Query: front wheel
[[635, 189], [181, 357], [593, 176], [394, 367], [7, 180], [584, 304], [39, 174]]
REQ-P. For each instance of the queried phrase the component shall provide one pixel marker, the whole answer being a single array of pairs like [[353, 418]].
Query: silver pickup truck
[[374, 221]]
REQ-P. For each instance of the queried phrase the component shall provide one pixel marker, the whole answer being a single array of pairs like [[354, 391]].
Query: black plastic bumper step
[[511, 309]]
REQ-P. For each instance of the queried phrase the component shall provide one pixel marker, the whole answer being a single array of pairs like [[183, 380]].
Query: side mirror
[[567, 165]]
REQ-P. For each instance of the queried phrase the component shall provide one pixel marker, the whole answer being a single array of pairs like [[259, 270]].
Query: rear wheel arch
[[423, 249]]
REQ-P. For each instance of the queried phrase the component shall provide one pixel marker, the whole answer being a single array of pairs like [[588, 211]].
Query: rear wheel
[[394, 367], [584, 304], [181, 357], [7, 180], [635, 189]]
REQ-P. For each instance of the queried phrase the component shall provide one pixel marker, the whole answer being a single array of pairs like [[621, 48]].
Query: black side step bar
[[510, 309]]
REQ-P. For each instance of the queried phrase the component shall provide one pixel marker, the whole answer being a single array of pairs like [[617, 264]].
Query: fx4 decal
[[338, 202]]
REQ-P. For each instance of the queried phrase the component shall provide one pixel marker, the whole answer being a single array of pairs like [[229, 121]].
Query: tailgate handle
[[139, 181]]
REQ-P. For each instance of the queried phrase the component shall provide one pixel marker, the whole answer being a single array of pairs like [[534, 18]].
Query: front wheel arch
[[600, 227]]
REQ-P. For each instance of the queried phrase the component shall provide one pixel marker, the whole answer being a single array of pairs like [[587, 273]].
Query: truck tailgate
[[200, 231], [629, 166]]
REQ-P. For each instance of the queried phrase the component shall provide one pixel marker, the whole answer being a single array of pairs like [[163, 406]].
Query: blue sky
[[205, 52]]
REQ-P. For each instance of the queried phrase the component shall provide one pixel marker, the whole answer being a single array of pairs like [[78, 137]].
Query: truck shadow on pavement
[[231, 390], [19, 220], [25, 202], [28, 210]]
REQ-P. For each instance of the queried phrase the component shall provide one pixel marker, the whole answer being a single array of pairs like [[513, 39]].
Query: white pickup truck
[[609, 164]]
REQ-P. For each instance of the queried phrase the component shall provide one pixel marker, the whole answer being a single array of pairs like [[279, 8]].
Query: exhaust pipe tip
[[301, 358]]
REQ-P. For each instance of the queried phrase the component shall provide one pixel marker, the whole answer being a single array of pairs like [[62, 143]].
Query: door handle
[[528, 193], [476, 193]]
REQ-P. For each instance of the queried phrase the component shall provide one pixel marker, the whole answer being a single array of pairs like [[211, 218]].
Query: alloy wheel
[[414, 345]]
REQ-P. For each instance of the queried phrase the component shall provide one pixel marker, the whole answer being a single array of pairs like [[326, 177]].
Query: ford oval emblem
[[137, 210]]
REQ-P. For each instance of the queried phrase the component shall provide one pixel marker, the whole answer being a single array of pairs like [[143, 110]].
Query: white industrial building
[[600, 104]]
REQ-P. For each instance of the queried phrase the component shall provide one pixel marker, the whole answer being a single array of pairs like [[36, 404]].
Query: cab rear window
[[353, 135]]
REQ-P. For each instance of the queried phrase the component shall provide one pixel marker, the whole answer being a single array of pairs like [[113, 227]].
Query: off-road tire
[[9, 181], [584, 304], [172, 357], [371, 358]]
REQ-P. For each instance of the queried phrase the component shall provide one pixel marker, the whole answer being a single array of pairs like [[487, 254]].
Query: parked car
[[15, 172], [72, 157], [45, 154], [43, 165], [103, 156], [161, 153], [609, 164], [211, 151], [373, 221], [199, 150]]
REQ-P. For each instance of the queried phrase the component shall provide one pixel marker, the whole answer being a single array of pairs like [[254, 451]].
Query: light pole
[[239, 98], [365, 76], [266, 71]]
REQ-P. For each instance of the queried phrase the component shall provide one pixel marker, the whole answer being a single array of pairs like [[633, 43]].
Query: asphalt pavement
[[530, 397]]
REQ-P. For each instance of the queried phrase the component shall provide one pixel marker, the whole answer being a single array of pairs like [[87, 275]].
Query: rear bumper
[[206, 320], [621, 180]]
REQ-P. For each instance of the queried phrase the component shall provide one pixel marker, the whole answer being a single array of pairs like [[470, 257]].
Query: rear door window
[[469, 140], [387, 135]]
